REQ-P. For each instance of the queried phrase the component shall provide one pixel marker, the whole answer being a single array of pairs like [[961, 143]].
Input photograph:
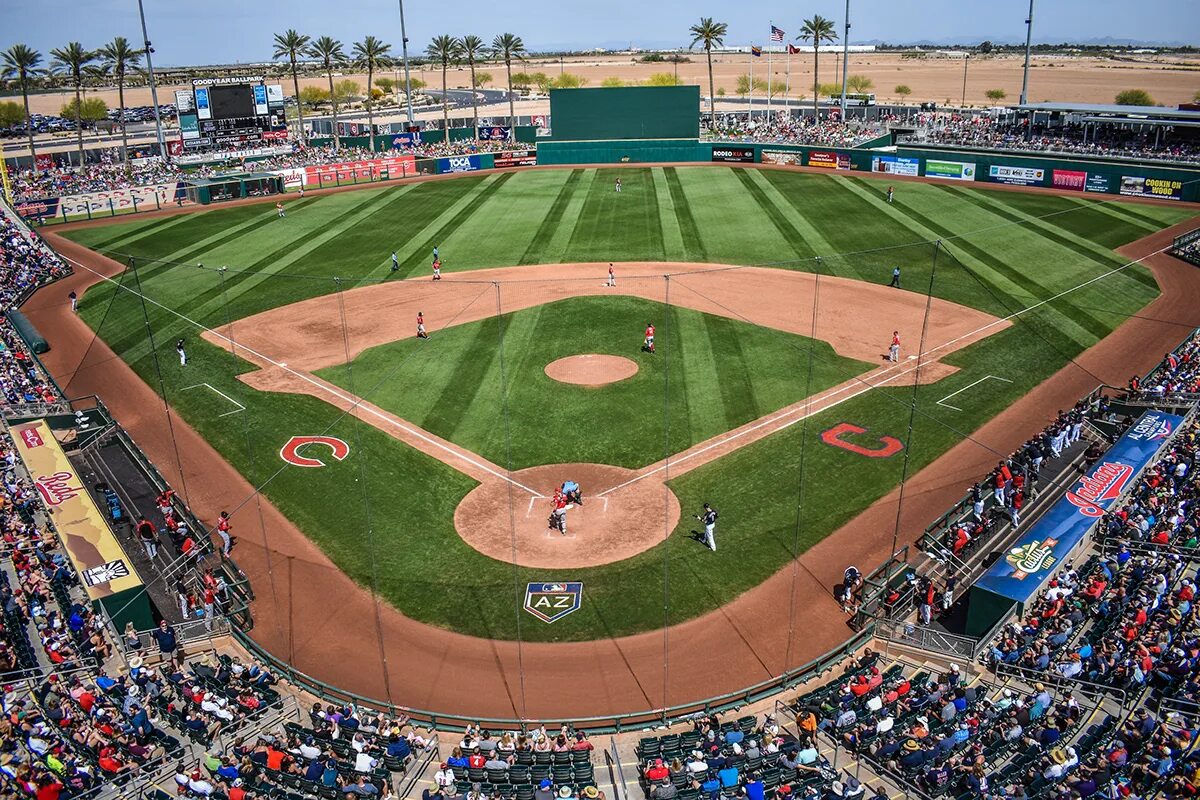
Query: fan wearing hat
[[592, 793], [565, 793], [544, 791], [656, 771]]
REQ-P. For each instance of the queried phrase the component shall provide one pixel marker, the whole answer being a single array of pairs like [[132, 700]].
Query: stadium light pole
[[1028, 45], [162, 143], [845, 59], [966, 61], [404, 53]]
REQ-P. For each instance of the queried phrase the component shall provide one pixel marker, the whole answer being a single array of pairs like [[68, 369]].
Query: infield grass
[[999, 251]]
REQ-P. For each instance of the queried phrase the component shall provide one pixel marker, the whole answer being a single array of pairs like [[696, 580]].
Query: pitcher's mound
[[618, 518], [591, 369]]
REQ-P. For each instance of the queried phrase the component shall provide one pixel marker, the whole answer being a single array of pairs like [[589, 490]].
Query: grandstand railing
[[1089, 689], [612, 760], [615, 723], [415, 774], [926, 638], [876, 586], [1179, 247]]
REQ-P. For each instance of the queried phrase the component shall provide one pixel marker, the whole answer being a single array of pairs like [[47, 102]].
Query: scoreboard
[[230, 112]]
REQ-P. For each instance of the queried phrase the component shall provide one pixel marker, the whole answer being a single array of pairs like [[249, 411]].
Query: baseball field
[[768, 395]]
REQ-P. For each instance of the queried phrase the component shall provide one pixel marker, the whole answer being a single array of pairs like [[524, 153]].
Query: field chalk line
[[240, 407], [357, 403], [943, 402]]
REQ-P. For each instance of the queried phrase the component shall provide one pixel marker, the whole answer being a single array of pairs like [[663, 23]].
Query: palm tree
[[292, 45], [118, 58], [710, 33], [23, 62], [444, 48], [470, 47], [329, 52], [371, 54], [505, 46], [817, 30], [72, 61]]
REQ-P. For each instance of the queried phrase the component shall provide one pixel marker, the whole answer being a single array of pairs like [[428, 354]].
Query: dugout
[[1016, 580], [205, 191]]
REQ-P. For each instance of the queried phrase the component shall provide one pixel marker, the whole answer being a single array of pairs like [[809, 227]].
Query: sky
[[186, 32]]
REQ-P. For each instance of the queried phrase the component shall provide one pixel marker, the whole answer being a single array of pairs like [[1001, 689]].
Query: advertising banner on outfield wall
[[826, 160], [351, 171], [1041, 549], [458, 164], [784, 157], [1162, 188], [739, 155], [896, 165], [1096, 183], [1071, 179], [517, 158], [1017, 176], [496, 134], [950, 170], [140, 197], [33, 209]]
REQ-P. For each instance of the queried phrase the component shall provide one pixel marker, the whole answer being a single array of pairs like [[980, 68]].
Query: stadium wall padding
[[36, 342], [617, 152], [627, 112]]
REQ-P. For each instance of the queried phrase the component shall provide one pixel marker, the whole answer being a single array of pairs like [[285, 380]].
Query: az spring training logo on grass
[[1102, 486], [550, 602]]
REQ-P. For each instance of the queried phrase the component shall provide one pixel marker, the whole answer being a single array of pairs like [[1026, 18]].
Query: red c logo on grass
[[833, 436], [290, 452]]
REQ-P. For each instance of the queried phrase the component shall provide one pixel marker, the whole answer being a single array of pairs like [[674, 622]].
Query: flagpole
[[769, 76], [787, 82], [750, 112]]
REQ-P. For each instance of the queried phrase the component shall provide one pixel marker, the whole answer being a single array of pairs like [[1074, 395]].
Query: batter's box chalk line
[[240, 407], [943, 402]]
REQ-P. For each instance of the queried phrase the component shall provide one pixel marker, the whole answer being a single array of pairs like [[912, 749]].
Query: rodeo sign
[[550, 602]]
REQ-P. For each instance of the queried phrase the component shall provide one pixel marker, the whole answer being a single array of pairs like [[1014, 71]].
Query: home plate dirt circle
[[618, 518], [591, 369]]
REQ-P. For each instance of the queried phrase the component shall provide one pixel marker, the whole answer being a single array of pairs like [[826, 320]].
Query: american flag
[[776, 34]]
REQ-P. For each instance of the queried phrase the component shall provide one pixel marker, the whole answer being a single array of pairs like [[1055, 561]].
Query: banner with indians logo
[[90, 544], [1050, 540]]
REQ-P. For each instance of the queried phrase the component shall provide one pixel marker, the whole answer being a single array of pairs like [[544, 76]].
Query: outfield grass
[[392, 528], [726, 373]]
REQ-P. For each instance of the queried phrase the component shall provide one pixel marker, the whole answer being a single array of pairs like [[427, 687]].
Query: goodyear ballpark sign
[[1038, 553], [550, 602]]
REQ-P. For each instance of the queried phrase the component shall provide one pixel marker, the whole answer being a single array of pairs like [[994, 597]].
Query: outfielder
[[648, 343]]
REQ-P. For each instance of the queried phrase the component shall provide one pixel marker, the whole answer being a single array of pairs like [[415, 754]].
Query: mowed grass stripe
[[633, 211], [793, 237], [733, 378], [452, 219], [220, 297], [1087, 328], [693, 353], [536, 252], [558, 249], [693, 242], [668, 220], [725, 215], [456, 397], [814, 240], [127, 234]]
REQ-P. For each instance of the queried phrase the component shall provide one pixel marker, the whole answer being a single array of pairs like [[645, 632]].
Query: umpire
[[709, 520]]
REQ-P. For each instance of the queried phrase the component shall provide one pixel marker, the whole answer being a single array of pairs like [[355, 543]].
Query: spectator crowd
[[783, 128], [1108, 141]]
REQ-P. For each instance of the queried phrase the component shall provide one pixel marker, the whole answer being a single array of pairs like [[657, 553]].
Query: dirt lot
[[1169, 79]]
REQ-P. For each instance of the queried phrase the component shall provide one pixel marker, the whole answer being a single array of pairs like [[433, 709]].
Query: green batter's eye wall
[[635, 112]]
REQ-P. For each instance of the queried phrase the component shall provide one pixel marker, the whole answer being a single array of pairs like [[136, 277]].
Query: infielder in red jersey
[[421, 334], [648, 344]]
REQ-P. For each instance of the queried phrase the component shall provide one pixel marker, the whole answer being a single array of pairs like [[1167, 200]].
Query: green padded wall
[[628, 112]]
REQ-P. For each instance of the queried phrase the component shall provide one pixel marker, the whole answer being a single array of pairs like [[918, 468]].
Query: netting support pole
[[518, 596], [666, 351], [912, 411], [368, 520]]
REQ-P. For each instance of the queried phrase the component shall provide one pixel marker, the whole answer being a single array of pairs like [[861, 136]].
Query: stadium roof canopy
[[1112, 111]]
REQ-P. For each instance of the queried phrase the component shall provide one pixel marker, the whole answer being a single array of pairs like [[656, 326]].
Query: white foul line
[[240, 407], [356, 403], [943, 402], [768, 420]]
